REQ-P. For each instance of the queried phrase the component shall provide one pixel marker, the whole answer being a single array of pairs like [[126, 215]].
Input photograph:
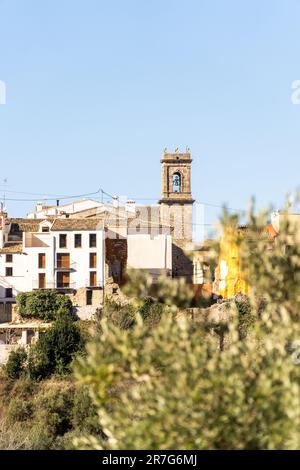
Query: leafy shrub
[[16, 436], [46, 414], [19, 409], [245, 318], [123, 316], [44, 305], [54, 410], [55, 349], [151, 312], [84, 412], [16, 363]]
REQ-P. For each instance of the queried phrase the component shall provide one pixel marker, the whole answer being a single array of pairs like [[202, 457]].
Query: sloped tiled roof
[[26, 225], [259, 233], [143, 217], [12, 248], [60, 225]]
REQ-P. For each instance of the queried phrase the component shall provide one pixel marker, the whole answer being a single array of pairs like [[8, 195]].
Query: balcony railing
[[96, 284], [66, 285], [63, 266], [53, 285]]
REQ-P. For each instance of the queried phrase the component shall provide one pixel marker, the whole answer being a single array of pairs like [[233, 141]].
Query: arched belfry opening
[[176, 182]]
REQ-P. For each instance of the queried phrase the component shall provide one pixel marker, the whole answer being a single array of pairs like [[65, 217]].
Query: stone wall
[[80, 298], [5, 313], [216, 319], [181, 262], [116, 259]]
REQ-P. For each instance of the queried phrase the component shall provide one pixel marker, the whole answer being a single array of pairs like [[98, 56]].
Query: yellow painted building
[[229, 276], [230, 279]]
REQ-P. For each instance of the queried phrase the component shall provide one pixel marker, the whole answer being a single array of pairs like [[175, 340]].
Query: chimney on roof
[[115, 201], [130, 206], [39, 207]]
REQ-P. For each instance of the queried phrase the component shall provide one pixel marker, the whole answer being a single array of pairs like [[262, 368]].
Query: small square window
[[8, 272], [45, 229], [9, 258]]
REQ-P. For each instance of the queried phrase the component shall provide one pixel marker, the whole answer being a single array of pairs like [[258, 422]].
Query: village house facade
[[84, 248], [57, 254]]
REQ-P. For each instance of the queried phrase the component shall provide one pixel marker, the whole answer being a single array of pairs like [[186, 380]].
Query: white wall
[[71, 208], [149, 253], [31, 267], [17, 282], [26, 269], [80, 257]]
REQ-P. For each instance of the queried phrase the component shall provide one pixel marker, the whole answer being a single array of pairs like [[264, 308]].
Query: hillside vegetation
[[146, 375]]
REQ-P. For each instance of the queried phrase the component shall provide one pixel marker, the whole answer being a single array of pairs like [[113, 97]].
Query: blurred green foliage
[[170, 387]]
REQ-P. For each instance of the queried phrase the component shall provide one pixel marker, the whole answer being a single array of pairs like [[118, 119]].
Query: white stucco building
[[74, 255], [61, 254]]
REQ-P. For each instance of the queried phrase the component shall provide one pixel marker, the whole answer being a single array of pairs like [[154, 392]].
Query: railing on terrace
[[96, 284], [63, 266], [53, 285]]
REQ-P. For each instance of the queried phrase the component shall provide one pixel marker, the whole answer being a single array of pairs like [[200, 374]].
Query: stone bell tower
[[177, 201], [176, 178]]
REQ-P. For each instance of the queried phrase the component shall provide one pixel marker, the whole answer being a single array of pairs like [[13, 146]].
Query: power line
[[54, 197], [199, 202]]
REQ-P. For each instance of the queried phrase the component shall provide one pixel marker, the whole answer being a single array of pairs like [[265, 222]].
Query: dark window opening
[[93, 279], [93, 240], [63, 241], [89, 297], [93, 260], [45, 229], [63, 280], [42, 260], [77, 240], [8, 293], [42, 280], [9, 258], [63, 260], [8, 272]]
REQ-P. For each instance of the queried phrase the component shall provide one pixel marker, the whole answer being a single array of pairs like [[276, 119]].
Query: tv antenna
[[3, 203]]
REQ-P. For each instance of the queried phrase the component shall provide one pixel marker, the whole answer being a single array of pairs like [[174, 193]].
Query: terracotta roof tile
[[12, 248], [258, 233], [25, 225], [60, 225]]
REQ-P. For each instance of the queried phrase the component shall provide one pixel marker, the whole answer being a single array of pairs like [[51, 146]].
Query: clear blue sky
[[96, 89]]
